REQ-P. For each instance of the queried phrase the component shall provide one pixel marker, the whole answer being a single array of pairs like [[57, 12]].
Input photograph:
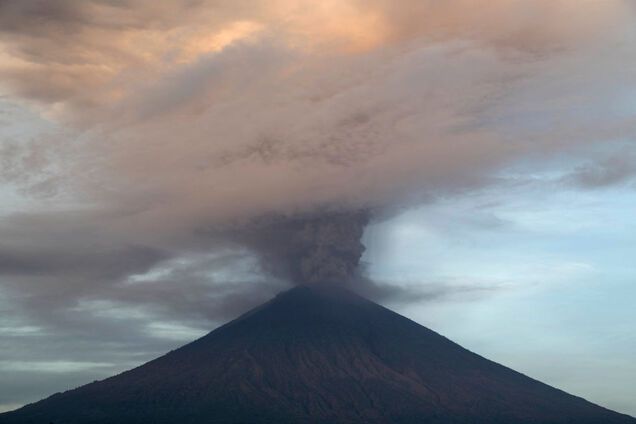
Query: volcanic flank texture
[[317, 355]]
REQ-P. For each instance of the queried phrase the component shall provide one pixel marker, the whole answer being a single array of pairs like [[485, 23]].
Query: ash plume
[[311, 249]]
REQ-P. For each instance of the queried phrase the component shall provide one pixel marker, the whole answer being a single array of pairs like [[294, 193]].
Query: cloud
[[605, 172], [387, 292], [86, 55]]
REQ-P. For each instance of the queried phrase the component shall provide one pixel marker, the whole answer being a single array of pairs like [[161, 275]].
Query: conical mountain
[[317, 355]]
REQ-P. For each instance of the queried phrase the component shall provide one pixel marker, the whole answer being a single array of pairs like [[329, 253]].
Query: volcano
[[317, 355]]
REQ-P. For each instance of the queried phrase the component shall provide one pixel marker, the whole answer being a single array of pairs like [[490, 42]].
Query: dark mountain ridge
[[317, 355]]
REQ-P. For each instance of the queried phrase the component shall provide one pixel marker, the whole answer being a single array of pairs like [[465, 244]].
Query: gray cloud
[[606, 172], [96, 262], [387, 292]]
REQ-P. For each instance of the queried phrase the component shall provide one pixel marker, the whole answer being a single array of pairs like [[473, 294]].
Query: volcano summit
[[317, 355]]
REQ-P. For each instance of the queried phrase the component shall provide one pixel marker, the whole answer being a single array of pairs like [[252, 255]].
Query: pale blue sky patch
[[563, 262]]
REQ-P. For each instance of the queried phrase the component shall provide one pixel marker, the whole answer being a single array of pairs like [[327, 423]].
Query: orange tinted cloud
[[207, 111], [78, 55]]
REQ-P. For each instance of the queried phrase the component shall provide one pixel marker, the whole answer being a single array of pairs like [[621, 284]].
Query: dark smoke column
[[312, 249]]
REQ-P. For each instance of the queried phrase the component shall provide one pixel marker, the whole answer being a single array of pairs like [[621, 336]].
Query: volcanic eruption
[[173, 161]]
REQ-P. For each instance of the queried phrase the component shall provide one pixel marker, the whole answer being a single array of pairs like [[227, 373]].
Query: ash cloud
[[316, 248], [175, 122], [188, 116]]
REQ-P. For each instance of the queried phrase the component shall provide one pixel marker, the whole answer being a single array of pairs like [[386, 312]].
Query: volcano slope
[[317, 355]]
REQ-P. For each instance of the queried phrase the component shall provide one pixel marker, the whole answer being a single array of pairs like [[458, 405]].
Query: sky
[[146, 149]]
